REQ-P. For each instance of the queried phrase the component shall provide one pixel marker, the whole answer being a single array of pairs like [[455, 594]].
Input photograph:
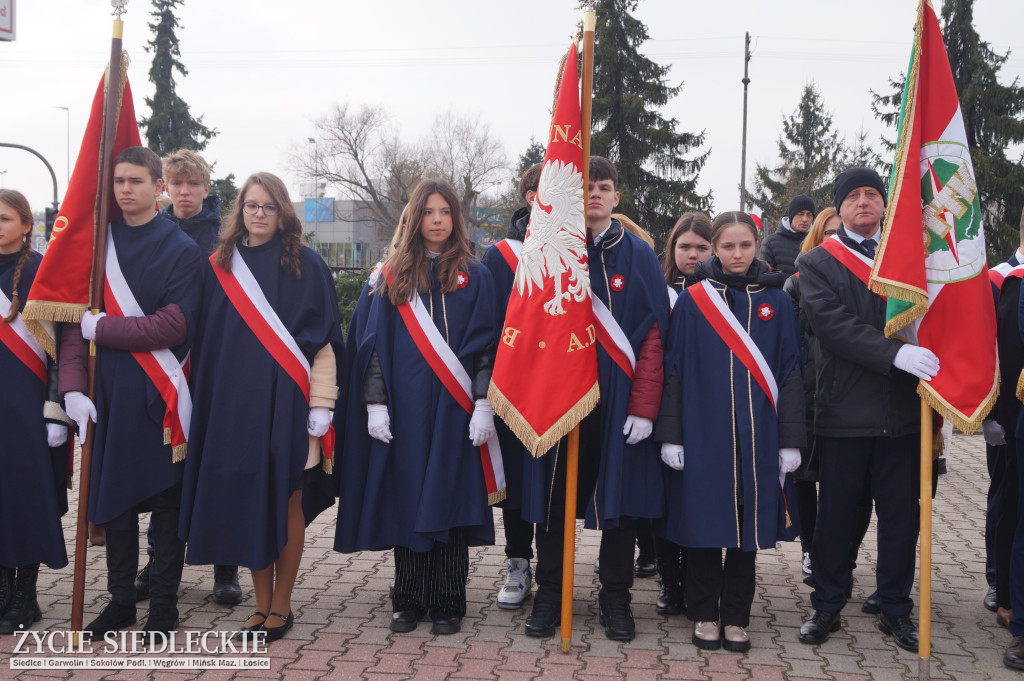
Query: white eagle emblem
[[555, 244]]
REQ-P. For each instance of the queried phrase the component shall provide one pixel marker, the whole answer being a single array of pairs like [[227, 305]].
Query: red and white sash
[[612, 338], [859, 264], [20, 341], [246, 296], [453, 376], [724, 322], [161, 366], [510, 250], [673, 295], [1003, 271]]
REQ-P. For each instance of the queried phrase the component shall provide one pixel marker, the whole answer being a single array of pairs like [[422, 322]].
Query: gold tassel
[[789, 521], [178, 453], [496, 497], [327, 464]]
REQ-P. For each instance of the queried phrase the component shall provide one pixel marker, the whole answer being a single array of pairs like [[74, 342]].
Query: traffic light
[[51, 215]]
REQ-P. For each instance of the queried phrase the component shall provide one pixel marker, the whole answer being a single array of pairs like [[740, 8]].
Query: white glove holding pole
[[637, 428], [378, 422], [481, 425], [79, 409], [89, 323], [920, 362], [319, 421], [995, 434], [672, 455], [56, 434]]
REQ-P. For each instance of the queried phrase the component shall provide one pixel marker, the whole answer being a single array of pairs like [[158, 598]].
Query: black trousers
[[168, 553], [672, 565], [616, 552], [518, 534], [433, 581], [717, 591], [645, 539], [1001, 516], [889, 466], [807, 507]]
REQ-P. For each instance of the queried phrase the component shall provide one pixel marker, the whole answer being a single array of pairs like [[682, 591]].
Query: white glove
[[89, 322], [481, 426], [920, 362], [319, 421], [672, 455], [379, 422], [995, 434], [56, 434], [637, 428], [79, 409], [789, 460]]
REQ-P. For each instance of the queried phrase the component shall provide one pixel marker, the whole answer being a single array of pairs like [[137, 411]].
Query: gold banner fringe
[[1020, 387], [903, 320], [37, 312], [538, 444], [496, 497], [178, 453], [966, 424]]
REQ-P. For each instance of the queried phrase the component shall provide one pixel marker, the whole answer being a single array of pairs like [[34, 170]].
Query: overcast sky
[[261, 70]]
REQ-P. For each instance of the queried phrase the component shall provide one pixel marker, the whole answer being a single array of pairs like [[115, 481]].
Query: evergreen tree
[[227, 191], [994, 118], [171, 126], [810, 153], [656, 181], [533, 154]]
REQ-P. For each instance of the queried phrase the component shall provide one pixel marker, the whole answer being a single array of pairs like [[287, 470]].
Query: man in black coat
[[781, 248], [867, 416]]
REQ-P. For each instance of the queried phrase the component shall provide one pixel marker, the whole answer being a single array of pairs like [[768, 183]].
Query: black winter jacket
[[859, 393], [781, 248]]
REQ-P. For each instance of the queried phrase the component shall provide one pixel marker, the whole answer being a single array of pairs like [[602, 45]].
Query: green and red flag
[[931, 263], [60, 291], [545, 373]]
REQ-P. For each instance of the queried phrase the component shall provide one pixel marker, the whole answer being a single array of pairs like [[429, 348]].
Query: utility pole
[[743, 160]]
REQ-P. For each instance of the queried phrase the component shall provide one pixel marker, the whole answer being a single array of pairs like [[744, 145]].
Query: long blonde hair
[[636, 229]]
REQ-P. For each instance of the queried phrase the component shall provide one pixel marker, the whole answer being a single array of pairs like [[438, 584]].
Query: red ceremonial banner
[[545, 373]]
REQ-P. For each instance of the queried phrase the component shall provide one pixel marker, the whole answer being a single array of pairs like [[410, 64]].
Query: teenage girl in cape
[[724, 491], [33, 449], [412, 476], [251, 475]]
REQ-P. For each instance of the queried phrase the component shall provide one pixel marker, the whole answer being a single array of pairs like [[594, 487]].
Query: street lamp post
[[316, 193], [67, 139]]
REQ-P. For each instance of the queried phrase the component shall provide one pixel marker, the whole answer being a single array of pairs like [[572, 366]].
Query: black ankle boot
[[24, 608], [6, 588]]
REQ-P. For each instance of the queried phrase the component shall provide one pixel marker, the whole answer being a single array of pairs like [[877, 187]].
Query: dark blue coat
[[130, 461], [203, 227], [33, 495], [630, 479], [429, 478], [728, 493], [249, 445]]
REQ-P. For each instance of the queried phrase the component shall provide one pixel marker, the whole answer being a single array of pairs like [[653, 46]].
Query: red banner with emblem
[[545, 373]]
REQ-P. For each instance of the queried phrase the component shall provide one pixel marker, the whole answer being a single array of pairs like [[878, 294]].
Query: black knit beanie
[[800, 202], [850, 179]]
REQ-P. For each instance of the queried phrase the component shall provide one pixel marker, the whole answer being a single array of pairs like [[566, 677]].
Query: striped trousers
[[433, 582]]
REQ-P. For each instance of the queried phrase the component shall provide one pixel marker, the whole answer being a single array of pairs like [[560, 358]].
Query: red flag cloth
[[938, 295], [60, 292], [545, 372]]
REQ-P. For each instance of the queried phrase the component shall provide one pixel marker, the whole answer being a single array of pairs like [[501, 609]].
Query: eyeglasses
[[830, 232], [252, 208]]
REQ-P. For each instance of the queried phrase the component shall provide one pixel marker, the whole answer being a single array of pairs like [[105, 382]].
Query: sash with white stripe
[[859, 264], [1003, 271], [20, 341], [510, 250], [246, 296], [161, 366], [724, 322], [612, 338], [453, 376]]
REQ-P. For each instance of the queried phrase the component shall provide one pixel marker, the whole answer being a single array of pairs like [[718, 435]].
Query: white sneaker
[[518, 580]]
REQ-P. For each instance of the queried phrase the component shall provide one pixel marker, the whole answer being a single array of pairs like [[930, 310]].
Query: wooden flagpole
[[924, 649], [111, 114], [572, 456]]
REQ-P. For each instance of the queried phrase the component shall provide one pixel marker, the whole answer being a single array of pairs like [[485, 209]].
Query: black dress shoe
[[617, 620], [113, 617], [251, 630], [817, 628], [645, 566], [544, 618], [404, 621], [274, 633], [226, 590], [870, 605], [446, 625], [142, 582], [902, 629], [670, 601], [989, 601], [1014, 655], [161, 620]]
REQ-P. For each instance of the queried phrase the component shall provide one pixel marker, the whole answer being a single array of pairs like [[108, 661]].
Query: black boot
[[24, 608], [6, 588], [142, 582], [226, 590]]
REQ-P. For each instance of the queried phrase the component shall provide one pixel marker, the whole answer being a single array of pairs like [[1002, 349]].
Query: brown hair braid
[[19, 203]]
